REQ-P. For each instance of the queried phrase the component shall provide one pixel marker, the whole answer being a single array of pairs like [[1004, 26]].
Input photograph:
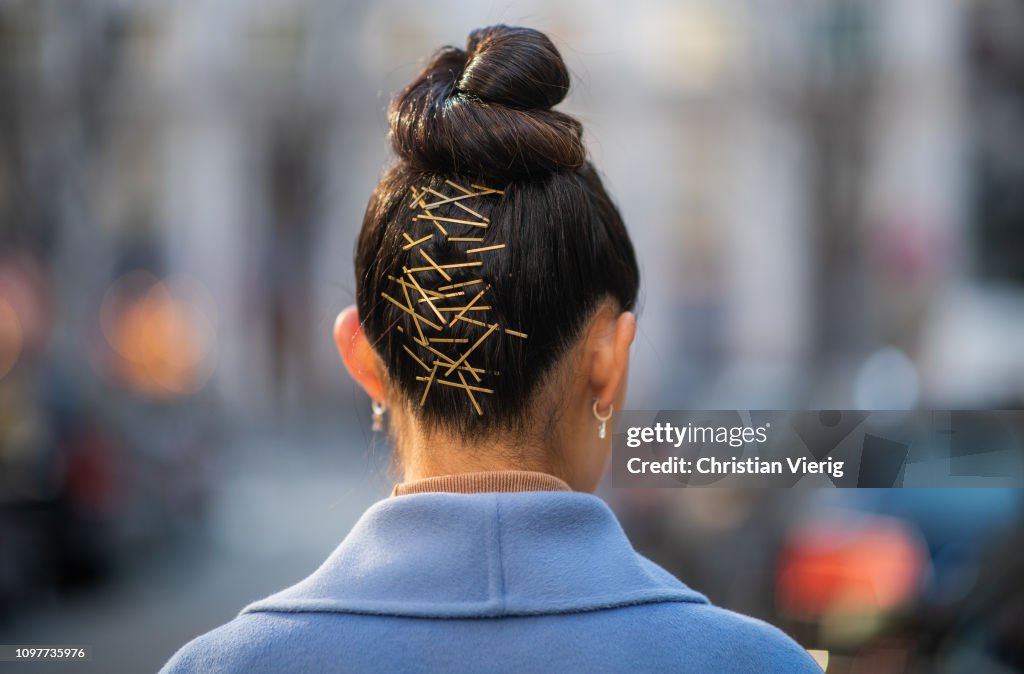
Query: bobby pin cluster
[[436, 302]]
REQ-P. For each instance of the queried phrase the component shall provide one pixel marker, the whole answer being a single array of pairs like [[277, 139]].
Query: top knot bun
[[486, 110], [518, 67]]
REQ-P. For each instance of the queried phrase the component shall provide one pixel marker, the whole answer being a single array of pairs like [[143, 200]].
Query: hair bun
[[487, 109], [518, 67]]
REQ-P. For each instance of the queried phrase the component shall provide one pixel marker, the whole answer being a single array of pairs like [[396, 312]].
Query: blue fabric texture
[[493, 582]]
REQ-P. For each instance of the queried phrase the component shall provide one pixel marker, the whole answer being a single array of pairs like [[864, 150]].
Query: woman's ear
[[610, 339], [359, 357]]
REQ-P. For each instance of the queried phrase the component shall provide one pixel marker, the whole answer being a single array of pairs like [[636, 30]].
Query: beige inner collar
[[478, 483]]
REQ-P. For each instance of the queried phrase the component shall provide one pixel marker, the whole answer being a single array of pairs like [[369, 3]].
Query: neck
[[438, 454]]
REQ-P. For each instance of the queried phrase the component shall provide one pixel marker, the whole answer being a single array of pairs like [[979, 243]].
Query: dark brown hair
[[483, 116]]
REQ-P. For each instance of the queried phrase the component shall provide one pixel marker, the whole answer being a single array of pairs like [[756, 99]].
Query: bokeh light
[[162, 339], [10, 337]]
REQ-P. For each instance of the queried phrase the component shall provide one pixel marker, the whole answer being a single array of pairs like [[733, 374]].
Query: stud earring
[[378, 410], [602, 429]]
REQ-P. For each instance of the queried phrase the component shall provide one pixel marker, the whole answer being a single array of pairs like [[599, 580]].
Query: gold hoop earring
[[602, 429], [378, 410]]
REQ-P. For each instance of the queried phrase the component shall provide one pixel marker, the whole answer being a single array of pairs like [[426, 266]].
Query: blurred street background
[[827, 200]]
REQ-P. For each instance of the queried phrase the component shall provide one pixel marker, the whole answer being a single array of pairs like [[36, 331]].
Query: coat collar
[[447, 555]]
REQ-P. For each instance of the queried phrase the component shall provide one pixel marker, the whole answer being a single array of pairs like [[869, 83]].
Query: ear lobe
[[357, 354]]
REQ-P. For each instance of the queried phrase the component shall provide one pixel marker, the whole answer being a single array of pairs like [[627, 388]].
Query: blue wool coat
[[539, 581]]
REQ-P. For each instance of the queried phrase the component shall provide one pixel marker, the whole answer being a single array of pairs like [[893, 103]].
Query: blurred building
[[808, 182]]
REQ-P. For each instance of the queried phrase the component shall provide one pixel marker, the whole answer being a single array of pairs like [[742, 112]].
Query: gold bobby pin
[[424, 294], [406, 309], [455, 202], [409, 304], [457, 221], [446, 266], [417, 198], [460, 285], [473, 321], [417, 242], [446, 199], [470, 350], [439, 296], [475, 371], [459, 187], [415, 357], [489, 189], [471, 369], [448, 340], [486, 248], [470, 304], [437, 353], [469, 393], [471, 211], [433, 264], [467, 239], [456, 384], [439, 226], [430, 380], [403, 282]]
